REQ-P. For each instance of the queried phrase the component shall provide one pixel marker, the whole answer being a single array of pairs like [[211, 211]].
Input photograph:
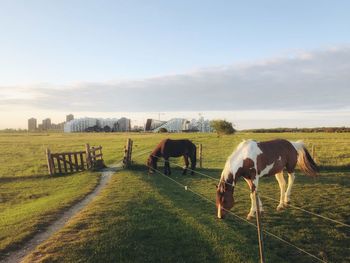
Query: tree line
[[317, 129]]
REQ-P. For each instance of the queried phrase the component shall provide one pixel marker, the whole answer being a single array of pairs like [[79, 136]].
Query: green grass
[[29, 198], [29, 204], [141, 218], [23, 155]]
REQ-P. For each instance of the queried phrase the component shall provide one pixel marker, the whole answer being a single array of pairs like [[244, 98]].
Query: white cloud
[[316, 80]]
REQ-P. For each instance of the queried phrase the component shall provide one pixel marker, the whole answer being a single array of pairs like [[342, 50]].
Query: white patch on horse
[[266, 170], [279, 158], [246, 149]]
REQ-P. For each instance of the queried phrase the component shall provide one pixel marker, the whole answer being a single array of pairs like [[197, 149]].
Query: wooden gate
[[69, 162]]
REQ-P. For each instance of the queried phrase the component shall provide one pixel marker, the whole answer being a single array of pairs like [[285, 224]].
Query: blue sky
[[59, 45]]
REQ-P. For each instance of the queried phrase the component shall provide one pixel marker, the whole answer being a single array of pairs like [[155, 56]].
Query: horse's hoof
[[250, 217], [280, 208]]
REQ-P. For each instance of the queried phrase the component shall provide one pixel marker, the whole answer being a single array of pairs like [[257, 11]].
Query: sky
[[259, 64]]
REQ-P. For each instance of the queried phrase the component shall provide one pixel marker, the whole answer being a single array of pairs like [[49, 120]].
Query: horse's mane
[[233, 161]]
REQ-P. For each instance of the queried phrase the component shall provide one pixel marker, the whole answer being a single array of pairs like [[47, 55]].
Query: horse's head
[[224, 198], [151, 163]]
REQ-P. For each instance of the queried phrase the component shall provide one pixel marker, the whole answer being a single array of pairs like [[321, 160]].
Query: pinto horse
[[173, 148], [253, 160]]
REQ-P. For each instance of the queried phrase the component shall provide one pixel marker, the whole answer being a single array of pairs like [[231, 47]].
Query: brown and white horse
[[253, 160]]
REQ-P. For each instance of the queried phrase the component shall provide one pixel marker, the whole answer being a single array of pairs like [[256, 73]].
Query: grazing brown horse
[[253, 160], [173, 148]]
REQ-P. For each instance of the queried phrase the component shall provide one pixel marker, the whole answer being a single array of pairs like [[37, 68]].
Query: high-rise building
[[69, 117], [124, 125], [46, 124], [32, 124]]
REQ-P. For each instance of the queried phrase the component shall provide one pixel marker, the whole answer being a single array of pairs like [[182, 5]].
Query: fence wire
[[185, 187], [230, 212], [270, 198]]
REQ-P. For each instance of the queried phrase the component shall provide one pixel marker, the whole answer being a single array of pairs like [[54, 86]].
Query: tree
[[222, 127]]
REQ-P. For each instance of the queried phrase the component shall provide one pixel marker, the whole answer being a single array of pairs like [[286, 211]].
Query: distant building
[[152, 124], [32, 122], [46, 124], [69, 117], [57, 127], [98, 125], [124, 125], [201, 125], [183, 125], [137, 128], [174, 125]]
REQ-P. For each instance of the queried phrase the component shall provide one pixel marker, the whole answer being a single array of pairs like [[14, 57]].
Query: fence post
[[49, 161], [313, 152], [101, 152], [200, 153], [88, 158], [258, 223], [127, 153], [130, 151]]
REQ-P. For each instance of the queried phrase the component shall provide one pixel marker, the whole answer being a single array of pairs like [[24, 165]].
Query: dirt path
[[18, 255]]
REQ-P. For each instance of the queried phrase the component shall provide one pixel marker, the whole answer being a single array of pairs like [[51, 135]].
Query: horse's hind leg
[[282, 184], [186, 164], [291, 178]]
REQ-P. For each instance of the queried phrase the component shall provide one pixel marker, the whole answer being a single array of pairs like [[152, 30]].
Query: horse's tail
[[305, 161]]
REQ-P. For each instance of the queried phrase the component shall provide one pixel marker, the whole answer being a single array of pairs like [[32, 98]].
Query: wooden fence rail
[[69, 162]]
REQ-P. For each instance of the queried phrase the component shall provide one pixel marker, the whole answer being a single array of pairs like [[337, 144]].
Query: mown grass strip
[[29, 205]]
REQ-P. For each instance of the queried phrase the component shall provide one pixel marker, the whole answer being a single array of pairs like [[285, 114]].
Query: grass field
[[29, 198], [141, 218]]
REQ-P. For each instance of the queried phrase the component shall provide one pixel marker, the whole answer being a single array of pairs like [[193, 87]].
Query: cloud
[[317, 80]]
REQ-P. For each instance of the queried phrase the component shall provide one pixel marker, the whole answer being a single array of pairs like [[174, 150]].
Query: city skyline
[[46, 124]]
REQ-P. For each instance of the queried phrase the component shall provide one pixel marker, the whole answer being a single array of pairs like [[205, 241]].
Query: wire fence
[[270, 198], [263, 196], [185, 187]]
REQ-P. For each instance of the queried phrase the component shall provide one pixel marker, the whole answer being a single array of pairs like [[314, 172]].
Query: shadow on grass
[[279, 223], [152, 233], [231, 238]]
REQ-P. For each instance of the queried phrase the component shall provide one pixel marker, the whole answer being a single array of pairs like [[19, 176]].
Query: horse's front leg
[[186, 164], [253, 185], [167, 167]]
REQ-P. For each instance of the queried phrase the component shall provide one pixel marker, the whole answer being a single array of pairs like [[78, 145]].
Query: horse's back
[[274, 155], [281, 153], [176, 148]]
